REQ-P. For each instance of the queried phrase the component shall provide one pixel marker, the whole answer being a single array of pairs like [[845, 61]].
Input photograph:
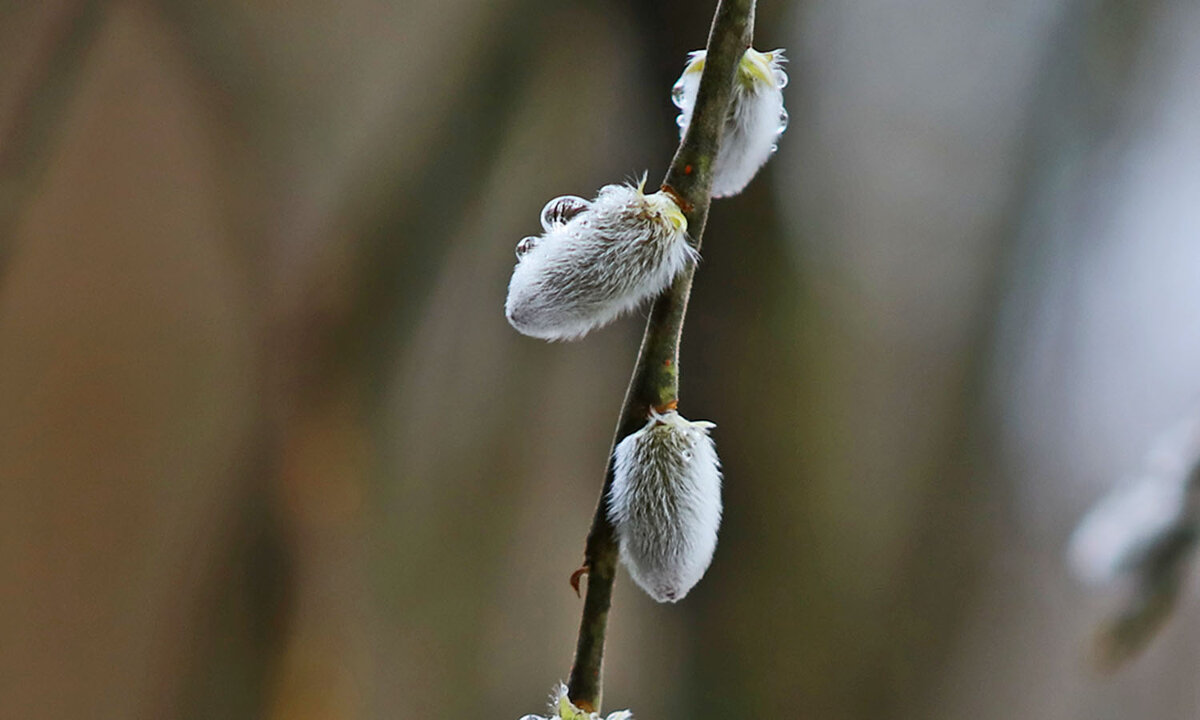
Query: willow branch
[[655, 381]]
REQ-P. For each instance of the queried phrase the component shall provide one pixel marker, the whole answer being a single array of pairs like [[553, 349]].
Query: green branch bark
[[655, 381]]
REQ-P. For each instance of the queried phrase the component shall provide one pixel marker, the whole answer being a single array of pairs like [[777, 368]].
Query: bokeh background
[[268, 448]]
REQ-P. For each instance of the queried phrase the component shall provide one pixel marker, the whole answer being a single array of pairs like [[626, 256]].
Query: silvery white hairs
[[756, 116], [595, 261], [561, 708], [665, 504]]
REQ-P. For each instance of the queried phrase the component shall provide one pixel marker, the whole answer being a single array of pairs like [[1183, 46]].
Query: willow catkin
[[665, 504], [595, 261], [756, 116]]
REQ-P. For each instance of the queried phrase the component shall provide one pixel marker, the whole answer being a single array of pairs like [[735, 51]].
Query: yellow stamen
[[755, 67]]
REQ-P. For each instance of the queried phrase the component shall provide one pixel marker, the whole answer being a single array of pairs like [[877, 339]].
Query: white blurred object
[[1129, 530], [1140, 540], [1122, 532]]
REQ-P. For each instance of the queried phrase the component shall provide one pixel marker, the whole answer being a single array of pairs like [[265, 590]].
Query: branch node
[[682, 202], [668, 407]]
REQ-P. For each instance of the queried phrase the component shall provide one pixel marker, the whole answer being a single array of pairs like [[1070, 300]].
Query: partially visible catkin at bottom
[[665, 504], [561, 708]]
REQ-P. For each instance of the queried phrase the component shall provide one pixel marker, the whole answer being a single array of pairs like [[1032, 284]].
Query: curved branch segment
[[655, 381]]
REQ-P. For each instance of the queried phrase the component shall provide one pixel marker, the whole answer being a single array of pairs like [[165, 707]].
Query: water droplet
[[560, 210], [677, 94], [681, 120], [526, 245], [781, 79], [783, 121], [774, 149]]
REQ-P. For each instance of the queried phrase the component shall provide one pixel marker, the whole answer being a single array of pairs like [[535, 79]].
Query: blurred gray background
[[268, 448]]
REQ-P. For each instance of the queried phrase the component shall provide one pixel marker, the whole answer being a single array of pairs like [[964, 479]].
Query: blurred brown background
[[269, 449]]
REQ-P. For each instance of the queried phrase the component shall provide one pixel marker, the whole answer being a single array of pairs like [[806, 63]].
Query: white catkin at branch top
[[756, 116], [665, 504], [595, 261], [561, 708]]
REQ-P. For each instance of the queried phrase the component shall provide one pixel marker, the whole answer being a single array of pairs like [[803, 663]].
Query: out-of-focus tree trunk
[[128, 385]]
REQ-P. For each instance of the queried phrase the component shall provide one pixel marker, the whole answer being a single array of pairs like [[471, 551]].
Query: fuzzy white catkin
[[561, 708], [595, 261], [756, 116], [665, 504]]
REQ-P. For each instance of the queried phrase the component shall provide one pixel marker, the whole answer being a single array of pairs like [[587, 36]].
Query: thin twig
[[655, 381]]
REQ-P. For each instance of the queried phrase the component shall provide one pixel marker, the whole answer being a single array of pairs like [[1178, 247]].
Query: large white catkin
[[665, 504], [595, 261], [756, 116]]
